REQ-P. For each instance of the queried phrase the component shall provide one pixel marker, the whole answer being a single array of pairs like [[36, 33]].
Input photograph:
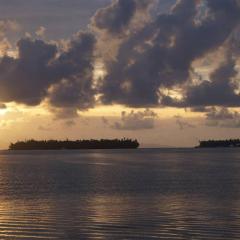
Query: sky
[[166, 72]]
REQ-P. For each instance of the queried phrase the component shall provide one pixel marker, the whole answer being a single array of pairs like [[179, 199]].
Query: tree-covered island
[[78, 144], [219, 143]]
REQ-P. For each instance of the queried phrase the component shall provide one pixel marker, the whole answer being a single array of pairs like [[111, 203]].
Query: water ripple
[[142, 194]]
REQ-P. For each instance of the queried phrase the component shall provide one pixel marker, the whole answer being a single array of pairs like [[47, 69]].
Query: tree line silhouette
[[78, 144], [219, 143]]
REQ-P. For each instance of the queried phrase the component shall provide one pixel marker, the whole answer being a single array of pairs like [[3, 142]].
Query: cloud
[[43, 71], [223, 117], [161, 54], [136, 120], [116, 17], [219, 91], [44, 128], [154, 50], [5, 45], [40, 32], [105, 121], [200, 109], [64, 113], [183, 124], [26, 79], [7, 26], [70, 123], [75, 88], [3, 106]]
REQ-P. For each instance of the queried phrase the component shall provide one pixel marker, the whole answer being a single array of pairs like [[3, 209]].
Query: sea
[[120, 194]]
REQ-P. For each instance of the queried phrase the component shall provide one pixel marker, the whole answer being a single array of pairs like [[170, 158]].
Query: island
[[78, 144], [231, 143]]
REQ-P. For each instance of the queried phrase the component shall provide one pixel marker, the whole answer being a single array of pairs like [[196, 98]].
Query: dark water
[[125, 194]]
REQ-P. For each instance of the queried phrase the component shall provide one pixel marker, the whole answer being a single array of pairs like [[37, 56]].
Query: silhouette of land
[[219, 143], [71, 145]]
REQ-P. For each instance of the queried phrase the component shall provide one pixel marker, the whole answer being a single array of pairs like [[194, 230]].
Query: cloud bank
[[136, 120], [223, 117], [155, 52], [162, 53]]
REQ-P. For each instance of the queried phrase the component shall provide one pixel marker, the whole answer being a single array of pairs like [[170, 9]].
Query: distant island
[[231, 143], [78, 144]]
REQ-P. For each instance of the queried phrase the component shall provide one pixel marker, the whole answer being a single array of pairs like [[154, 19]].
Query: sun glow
[[116, 110], [3, 111], [99, 70]]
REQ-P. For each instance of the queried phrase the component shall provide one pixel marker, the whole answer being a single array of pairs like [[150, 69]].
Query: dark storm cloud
[[40, 65], [220, 91], [75, 68], [115, 17], [25, 79], [162, 52], [118, 15], [156, 55]]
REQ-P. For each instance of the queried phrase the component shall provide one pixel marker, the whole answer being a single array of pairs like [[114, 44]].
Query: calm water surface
[[120, 194]]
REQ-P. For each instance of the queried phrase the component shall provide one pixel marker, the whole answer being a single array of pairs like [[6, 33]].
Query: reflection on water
[[127, 194]]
